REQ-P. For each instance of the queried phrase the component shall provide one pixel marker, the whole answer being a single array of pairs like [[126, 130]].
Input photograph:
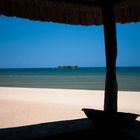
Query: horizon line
[[76, 68]]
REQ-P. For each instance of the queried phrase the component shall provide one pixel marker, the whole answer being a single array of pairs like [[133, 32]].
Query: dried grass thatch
[[84, 12]]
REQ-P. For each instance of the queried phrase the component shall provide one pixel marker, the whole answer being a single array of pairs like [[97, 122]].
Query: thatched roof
[[85, 12]]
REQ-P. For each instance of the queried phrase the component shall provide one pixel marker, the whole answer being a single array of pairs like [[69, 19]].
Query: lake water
[[79, 78]]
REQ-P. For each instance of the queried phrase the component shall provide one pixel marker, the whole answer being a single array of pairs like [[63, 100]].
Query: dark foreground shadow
[[80, 129]]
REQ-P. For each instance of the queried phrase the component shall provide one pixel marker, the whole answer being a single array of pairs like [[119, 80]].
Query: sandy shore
[[25, 106]]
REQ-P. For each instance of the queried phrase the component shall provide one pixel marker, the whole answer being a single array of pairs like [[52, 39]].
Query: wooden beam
[[111, 87], [60, 130]]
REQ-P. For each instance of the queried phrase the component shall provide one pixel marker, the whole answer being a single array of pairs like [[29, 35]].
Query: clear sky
[[32, 44]]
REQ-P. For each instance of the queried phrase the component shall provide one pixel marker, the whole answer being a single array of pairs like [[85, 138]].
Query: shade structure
[[83, 12]]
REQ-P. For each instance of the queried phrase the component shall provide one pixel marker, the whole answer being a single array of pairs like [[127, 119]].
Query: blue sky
[[32, 44]]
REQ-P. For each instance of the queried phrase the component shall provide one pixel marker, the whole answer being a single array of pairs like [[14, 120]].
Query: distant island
[[68, 67]]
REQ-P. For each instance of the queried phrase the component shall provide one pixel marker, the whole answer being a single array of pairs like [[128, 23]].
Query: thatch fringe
[[128, 11], [68, 12]]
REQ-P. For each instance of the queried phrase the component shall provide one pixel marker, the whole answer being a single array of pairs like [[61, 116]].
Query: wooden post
[[111, 87]]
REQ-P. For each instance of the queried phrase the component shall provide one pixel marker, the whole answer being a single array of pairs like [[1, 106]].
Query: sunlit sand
[[25, 106]]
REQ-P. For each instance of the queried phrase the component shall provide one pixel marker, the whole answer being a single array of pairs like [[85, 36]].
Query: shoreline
[[26, 106], [52, 88]]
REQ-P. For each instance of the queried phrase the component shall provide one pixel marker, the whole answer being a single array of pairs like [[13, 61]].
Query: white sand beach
[[26, 106]]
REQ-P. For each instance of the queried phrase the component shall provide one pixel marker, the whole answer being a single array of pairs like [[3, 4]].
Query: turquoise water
[[80, 78]]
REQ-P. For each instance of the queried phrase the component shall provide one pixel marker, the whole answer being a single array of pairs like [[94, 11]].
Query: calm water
[[80, 78]]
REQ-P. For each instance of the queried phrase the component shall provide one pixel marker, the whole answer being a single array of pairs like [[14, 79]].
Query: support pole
[[111, 86]]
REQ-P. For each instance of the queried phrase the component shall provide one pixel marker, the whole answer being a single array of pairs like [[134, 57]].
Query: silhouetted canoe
[[110, 119]]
